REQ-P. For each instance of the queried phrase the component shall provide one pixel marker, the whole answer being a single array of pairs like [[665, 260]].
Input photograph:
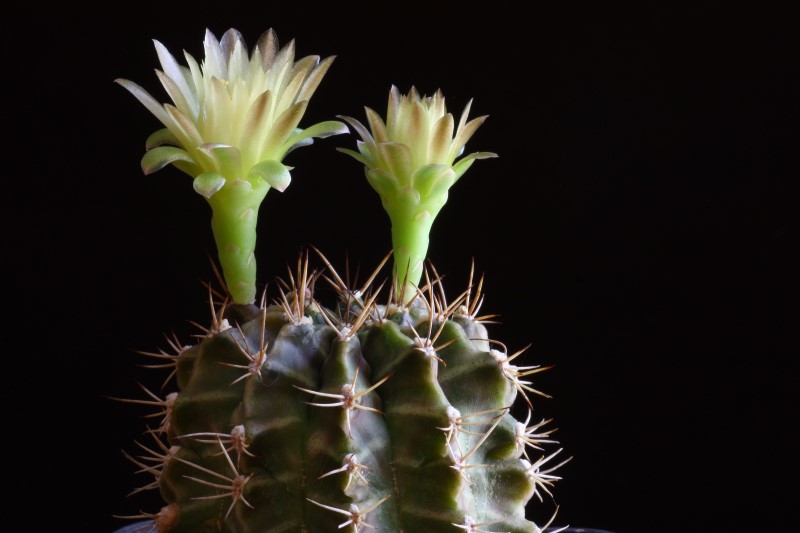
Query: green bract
[[411, 162], [233, 119]]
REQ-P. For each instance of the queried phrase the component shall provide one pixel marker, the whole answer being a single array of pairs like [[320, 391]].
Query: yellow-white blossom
[[234, 111], [232, 120], [412, 160]]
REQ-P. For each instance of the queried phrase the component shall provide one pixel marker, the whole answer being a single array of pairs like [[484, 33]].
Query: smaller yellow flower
[[412, 161]]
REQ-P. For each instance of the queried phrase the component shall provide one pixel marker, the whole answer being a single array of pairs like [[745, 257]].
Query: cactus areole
[[391, 409]]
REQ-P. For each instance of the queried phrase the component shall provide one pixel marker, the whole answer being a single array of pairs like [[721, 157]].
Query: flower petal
[[464, 114], [417, 134], [314, 78], [397, 160], [215, 63], [183, 128], [359, 127], [238, 62], [256, 125], [279, 71], [218, 109], [175, 93], [441, 138], [176, 72], [437, 104], [463, 135], [149, 102], [267, 48], [197, 85], [296, 79], [229, 40], [283, 127], [394, 105], [377, 126], [227, 158]]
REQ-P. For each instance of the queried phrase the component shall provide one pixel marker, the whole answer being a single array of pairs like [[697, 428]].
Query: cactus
[[390, 410]]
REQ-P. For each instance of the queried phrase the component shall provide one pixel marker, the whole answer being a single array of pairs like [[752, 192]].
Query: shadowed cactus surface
[[294, 417]]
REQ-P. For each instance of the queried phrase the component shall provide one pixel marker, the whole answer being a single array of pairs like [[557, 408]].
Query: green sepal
[[464, 163], [274, 173], [227, 158], [321, 130], [161, 156], [160, 138], [427, 178], [385, 184], [208, 183], [355, 155]]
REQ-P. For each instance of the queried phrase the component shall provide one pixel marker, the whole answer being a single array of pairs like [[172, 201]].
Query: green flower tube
[[232, 120], [411, 161]]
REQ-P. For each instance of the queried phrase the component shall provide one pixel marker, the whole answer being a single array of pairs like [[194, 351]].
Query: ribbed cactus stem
[[234, 219], [296, 418]]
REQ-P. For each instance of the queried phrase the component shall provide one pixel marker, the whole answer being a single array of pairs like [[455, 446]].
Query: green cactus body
[[300, 419]]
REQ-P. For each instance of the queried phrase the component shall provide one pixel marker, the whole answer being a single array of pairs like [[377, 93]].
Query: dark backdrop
[[635, 229]]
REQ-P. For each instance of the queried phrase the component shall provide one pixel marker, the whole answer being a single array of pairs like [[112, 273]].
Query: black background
[[635, 229]]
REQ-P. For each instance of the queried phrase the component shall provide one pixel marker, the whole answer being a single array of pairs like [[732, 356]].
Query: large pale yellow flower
[[232, 120]]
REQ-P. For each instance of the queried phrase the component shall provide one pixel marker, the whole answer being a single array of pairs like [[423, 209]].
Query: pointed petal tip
[[354, 122]]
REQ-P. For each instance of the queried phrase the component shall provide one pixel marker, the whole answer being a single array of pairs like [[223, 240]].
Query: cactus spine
[[390, 410]]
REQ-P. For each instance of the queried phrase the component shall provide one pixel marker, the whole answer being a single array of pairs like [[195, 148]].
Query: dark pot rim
[[144, 527]]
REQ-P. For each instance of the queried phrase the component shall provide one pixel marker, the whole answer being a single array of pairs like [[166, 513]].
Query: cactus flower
[[412, 160], [232, 120]]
